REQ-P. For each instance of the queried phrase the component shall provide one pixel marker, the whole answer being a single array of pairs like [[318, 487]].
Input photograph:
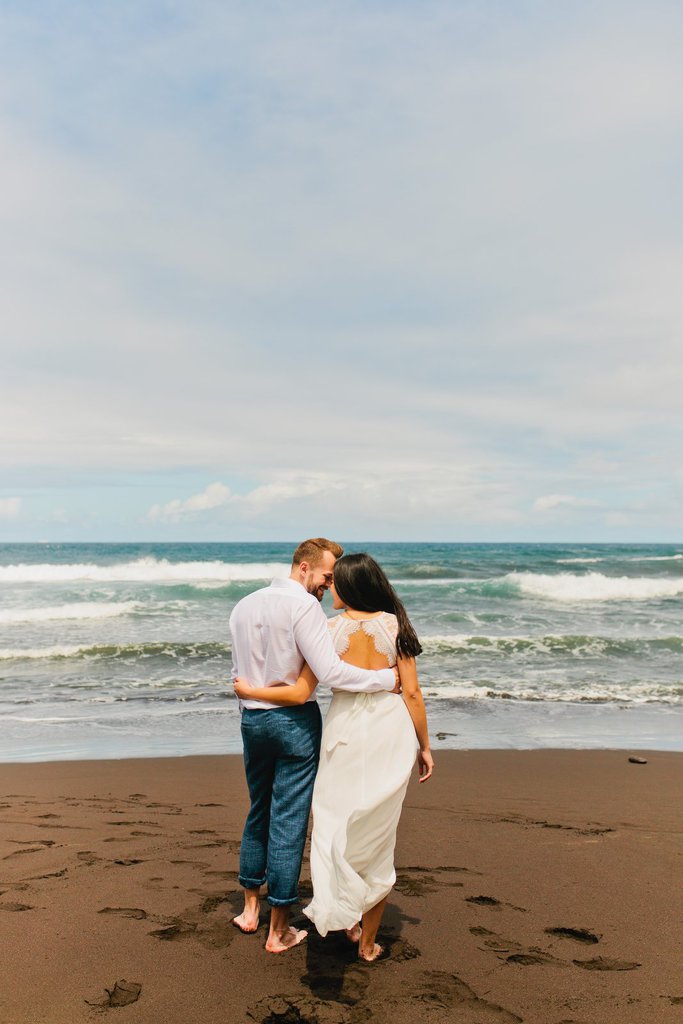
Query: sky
[[378, 270]]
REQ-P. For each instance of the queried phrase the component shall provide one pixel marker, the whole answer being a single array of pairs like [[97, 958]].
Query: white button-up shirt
[[278, 628]]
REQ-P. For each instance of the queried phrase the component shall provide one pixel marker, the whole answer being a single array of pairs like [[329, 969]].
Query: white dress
[[367, 753]]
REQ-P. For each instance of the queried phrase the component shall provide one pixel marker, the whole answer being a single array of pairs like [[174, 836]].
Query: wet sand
[[534, 886]]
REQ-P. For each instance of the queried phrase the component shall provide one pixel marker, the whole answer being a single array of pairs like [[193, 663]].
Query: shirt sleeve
[[235, 667], [315, 643]]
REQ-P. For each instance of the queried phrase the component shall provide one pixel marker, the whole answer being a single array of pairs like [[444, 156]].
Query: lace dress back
[[367, 754], [382, 630]]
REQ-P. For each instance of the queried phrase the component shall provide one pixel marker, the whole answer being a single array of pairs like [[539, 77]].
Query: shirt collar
[[288, 584]]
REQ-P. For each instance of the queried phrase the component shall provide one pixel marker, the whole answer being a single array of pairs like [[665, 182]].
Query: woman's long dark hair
[[362, 585]]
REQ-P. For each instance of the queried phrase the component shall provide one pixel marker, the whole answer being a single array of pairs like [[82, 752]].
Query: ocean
[[123, 650]]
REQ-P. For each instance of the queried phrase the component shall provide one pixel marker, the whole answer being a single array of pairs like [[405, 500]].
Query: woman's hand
[[246, 691], [425, 763], [242, 688]]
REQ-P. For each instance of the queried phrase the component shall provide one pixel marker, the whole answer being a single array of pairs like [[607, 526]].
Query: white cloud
[[216, 495], [344, 257], [549, 502], [10, 508], [399, 496]]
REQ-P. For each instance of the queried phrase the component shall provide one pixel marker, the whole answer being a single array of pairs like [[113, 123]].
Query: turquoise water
[[122, 650]]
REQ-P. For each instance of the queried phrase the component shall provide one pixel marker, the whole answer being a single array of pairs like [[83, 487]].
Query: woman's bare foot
[[370, 955], [353, 934], [281, 941], [246, 922]]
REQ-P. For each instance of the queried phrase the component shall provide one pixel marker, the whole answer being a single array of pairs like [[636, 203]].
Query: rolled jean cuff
[[251, 883], [282, 903]]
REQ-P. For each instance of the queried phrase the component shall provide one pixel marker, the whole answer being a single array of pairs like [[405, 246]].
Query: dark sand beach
[[535, 886]]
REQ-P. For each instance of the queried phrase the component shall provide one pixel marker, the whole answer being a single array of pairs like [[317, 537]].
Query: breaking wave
[[593, 586], [124, 652], [84, 610], [143, 570], [577, 646]]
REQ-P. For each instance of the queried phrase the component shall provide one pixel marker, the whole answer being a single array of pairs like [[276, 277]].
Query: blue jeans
[[281, 752]]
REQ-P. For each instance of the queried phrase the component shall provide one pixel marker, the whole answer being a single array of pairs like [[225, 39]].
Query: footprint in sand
[[438, 990], [32, 842], [583, 935], [601, 963], [532, 958], [408, 886], [15, 908], [215, 936], [51, 874], [140, 821], [134, 912], [484, 901], [122, 994], [400, 950], [299, 1009], [496, 943], [172, 932], [19, 853], [492, 903], [88, 857], [211, 903]]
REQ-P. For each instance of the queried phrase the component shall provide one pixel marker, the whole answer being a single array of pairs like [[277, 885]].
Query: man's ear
[[303, 568]]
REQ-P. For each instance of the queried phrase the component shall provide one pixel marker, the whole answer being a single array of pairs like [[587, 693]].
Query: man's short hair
[[312, 550]]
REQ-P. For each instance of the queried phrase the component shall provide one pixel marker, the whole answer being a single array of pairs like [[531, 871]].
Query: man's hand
[[397, 678]]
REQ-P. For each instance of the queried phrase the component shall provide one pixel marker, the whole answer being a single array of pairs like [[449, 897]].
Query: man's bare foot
[[280, 942], [370, 955], [353, 934], [246, 922]]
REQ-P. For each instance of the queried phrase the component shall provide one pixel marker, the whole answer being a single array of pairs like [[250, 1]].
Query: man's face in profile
[[319, 577]]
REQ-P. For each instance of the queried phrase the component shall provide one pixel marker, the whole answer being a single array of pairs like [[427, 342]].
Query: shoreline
[[532, 886], [454, 725]]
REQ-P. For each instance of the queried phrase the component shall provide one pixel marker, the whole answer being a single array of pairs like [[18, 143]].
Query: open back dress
[[367, 754]]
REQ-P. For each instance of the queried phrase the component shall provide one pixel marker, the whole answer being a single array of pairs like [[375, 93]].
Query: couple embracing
[[283, 646]]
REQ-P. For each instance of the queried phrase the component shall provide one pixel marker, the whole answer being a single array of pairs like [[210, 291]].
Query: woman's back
[[368, 642]]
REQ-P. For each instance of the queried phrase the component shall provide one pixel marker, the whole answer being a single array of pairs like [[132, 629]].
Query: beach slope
[[535, 886]]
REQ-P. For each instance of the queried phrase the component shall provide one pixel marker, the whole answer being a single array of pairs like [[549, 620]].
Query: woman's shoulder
[[389, 621], [385, 623]]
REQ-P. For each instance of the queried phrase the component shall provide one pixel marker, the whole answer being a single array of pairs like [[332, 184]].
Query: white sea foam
[[657, 558], [449, 581], [85, 610], [594, 586], [468, 690], [38, 653], [143, 570], [479, 643], [579, 561]]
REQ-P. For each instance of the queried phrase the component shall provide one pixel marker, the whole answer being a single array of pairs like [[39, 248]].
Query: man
[[274, 631]]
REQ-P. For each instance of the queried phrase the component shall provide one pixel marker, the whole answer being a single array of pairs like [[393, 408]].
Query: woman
[[367, 755]]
